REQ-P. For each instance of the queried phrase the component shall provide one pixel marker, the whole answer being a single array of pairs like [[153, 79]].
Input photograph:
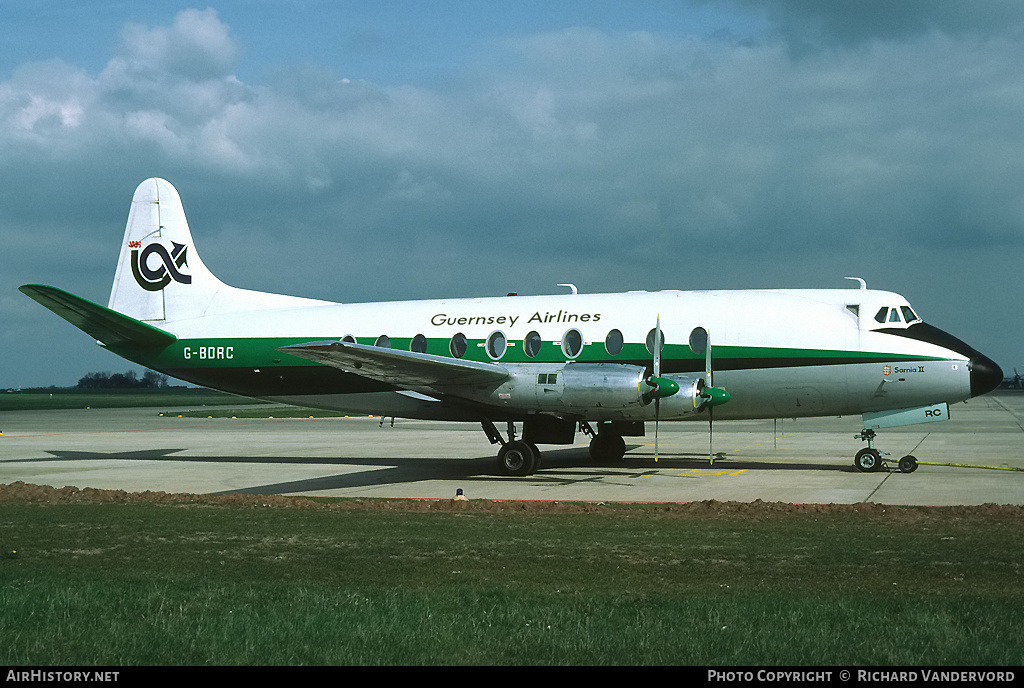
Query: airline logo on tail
[[170, 263]]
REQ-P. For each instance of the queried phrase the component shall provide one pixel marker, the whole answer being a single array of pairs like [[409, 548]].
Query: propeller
[[700, 342], [709, 384], [661, 387]]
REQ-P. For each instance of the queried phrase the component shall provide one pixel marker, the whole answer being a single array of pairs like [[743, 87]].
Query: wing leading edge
[[406, 369]]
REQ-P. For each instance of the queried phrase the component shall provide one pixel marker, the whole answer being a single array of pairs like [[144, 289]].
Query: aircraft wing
[[405, 369], [101, 323]]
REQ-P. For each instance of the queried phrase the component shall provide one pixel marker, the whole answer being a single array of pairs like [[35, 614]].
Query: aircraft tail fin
[[160, 276]]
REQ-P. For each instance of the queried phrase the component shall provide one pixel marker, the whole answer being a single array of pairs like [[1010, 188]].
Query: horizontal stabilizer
[[405, 369], [106, 325]]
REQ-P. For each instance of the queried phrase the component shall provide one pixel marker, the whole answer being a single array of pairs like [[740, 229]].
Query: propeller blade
[[657, 414], [711, 436], [657, 347], [709, 382], [657, 384], [711, 396], [708, 374], [657, 390]]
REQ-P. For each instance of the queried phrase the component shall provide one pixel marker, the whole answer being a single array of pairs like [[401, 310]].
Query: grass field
[[365, 582]]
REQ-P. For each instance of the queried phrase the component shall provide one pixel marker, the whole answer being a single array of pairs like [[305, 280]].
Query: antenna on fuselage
[[863, 284], [572, 287]]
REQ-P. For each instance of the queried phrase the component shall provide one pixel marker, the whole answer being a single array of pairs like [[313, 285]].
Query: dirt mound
[[25, 492]]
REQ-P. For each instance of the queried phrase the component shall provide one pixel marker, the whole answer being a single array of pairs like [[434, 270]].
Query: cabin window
[[496, 345], [349, 339], [383, 342], [613, 343], [572, 343], [650, 340], [531, 344], [418, 344], [458, 345]]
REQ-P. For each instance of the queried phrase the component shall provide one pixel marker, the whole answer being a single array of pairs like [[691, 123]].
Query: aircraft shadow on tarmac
[[556, 469]]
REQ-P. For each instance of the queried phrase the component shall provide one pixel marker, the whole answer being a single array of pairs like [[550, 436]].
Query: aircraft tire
[[868, 460], [908, 464], [516, 458], [536, 458], [607, 447]]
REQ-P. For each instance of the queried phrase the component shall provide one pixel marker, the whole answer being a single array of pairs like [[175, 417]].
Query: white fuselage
[[779, 353]]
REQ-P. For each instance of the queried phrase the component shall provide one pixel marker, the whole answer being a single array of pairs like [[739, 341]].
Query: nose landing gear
[[869, 459]]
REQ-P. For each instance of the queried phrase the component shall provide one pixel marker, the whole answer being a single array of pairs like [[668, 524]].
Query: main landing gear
[[869, 459], [605, 445], [515, 457], [520, 457]]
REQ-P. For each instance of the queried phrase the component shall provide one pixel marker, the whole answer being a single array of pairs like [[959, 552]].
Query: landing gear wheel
[[516, 458], [536, 458], [868, 460], [908, 464], [607, 447]]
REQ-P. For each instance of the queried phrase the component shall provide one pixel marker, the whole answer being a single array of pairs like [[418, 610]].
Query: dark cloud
[[816, 24], [612, 160]]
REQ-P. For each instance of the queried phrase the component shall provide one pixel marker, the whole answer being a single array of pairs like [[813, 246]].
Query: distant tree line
[[128, 380]]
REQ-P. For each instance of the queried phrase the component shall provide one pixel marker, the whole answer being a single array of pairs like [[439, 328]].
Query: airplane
[[556, 364]]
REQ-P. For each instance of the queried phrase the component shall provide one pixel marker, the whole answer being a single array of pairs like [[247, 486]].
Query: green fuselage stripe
[[199, 355]]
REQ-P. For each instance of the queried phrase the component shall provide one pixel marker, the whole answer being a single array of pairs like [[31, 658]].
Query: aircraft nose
[[986, 374]]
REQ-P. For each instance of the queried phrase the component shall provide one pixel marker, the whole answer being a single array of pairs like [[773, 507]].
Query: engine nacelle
[[602, 386], [596, 391]]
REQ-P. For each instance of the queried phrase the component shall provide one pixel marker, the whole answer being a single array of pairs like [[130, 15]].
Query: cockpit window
[[892, 314]]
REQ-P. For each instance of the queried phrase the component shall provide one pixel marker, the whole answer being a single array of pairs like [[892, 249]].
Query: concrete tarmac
[[796, 461]]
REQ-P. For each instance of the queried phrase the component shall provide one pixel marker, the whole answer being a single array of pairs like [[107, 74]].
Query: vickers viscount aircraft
[[555, 364]]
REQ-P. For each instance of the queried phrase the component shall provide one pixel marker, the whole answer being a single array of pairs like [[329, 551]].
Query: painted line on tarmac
[[694, 473]]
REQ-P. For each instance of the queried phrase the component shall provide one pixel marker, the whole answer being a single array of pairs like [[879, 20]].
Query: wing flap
[[405, 369], [106, 325]]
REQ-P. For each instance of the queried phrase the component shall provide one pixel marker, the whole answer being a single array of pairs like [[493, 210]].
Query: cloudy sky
[[363, 151]]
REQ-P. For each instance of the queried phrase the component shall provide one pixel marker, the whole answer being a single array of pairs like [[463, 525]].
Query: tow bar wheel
[[908, 464]]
